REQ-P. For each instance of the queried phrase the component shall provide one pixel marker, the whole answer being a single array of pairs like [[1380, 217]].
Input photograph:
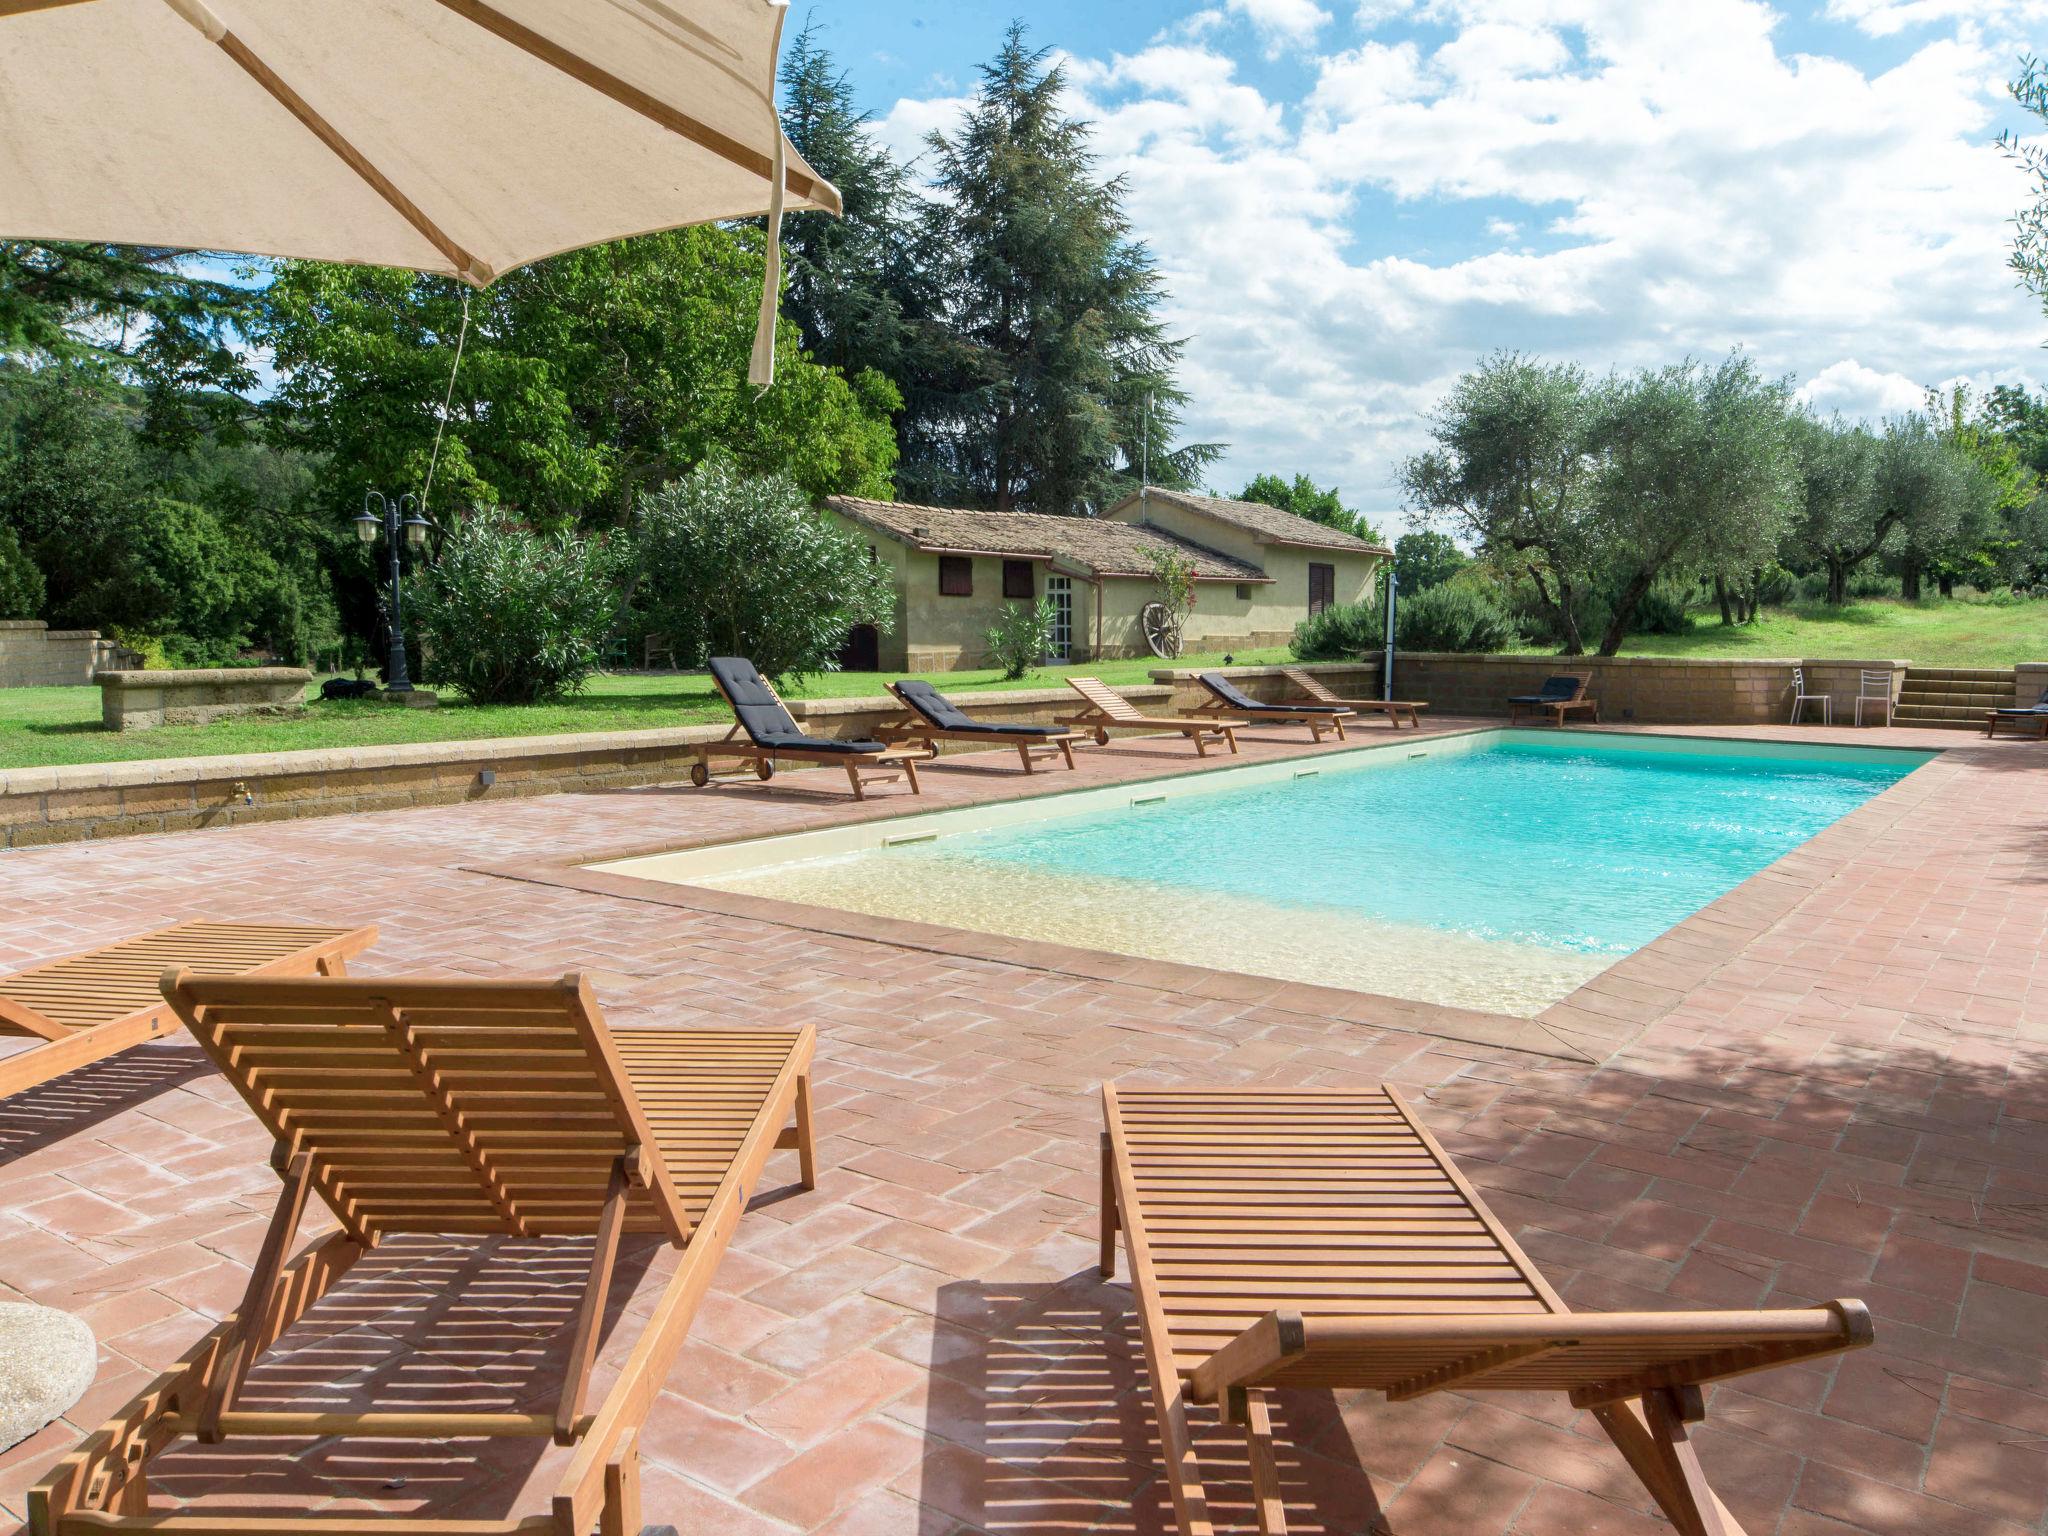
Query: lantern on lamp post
[[401, 524]]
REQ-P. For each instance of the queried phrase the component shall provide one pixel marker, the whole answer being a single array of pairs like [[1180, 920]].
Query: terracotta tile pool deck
[[1833, 1081]]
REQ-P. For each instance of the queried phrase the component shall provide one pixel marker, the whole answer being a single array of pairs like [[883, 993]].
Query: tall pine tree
[[853, 285], [1043, 403]]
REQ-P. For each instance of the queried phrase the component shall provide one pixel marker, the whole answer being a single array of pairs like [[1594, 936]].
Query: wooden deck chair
[[1304, 1238], [1109, 711], [1396, 710], [88, 1007], [1559, 696], [771, 735], [455, 1107], [929, 717], [1226, 698]]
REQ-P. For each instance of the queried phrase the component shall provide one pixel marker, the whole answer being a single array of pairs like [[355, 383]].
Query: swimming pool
[[1496, 871]]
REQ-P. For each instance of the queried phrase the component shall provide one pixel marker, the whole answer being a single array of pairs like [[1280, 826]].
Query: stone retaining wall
[[33, 655], [142, 701], [1650, 690], [51, 805]]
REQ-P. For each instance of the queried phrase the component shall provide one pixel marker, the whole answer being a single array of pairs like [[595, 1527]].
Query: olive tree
[[1694, 476], [1513, 471], [733, 564]]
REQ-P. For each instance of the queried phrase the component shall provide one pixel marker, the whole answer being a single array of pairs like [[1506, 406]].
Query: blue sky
[[1353, 200]]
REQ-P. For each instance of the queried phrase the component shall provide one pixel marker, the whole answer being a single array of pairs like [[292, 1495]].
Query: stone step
[[1955, 718], [1961, 674], [1989, 698]]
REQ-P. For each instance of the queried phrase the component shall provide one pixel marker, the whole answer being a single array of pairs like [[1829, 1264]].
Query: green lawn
[[46, 726], [42, 727], [1956, 633]]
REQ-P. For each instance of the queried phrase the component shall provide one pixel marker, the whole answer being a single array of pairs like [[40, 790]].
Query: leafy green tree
[[2030, 226], [72, 484], [584, 380], [149, 316], [21, 584], [1996, 535], [1694, 476], [1838, 525], [734, 564], [855, 288], [512, 616], [1044, 406], [1922, 489], [1304, 498], [1513, 470], [1426, 559]]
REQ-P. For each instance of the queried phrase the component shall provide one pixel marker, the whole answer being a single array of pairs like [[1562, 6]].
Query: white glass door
[[1061, 590]]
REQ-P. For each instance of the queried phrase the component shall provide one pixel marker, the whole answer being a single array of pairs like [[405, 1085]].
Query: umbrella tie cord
[[761, 369], [447, 400]]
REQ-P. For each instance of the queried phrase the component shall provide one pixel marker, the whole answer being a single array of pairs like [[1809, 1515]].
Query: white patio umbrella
[[465, 137]]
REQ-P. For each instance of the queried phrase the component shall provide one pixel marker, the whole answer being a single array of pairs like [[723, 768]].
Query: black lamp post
[[400, 523]]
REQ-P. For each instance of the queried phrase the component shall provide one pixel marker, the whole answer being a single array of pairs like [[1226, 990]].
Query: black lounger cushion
[[1244, 703], [764, 719], [797, 741], [945, 715]]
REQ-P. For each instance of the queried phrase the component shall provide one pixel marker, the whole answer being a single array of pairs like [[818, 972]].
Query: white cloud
[[1292, 23], [1855, 391], [1618, 183], [1884, 18]]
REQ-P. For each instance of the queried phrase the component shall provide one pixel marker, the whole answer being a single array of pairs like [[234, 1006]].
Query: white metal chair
[[1875, 688], [1801, 698]]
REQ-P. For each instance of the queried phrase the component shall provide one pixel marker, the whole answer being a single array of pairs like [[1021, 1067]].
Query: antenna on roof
[[1145, 448]]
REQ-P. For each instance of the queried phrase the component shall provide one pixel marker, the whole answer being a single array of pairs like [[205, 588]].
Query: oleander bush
[[513, 616]]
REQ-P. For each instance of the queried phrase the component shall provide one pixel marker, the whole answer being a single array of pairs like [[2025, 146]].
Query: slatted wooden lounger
[[89, 1006], [457, 1107], [1226, 698], [1395, 710], [1297, 1238], [1109, 711]]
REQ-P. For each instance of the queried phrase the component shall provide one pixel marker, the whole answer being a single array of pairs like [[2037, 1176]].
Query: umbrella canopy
[[465, 137]]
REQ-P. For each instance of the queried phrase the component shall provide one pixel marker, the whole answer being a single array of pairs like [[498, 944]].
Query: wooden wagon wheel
[[1162, 630]]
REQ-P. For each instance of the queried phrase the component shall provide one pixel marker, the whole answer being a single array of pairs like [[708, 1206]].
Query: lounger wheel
[[1101, 738], [764, 770], [700, 774]]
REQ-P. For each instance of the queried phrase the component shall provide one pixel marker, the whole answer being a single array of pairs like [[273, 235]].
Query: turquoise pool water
[[1497, 872], [1527, 842]]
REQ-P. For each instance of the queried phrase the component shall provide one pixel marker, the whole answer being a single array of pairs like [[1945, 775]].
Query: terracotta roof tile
[[1106, 548], [1262, 521]]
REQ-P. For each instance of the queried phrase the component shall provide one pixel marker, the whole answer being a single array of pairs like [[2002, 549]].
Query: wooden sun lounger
[[1559, 696], [90, 1006], [916, 726], [1109, 711], [764, 734], [2033, 715], [454, 1107], [1304, 1238], [1226, 698], [1394, 709]]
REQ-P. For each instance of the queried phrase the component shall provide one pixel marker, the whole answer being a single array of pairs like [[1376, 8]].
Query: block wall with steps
[[1955, 698]]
